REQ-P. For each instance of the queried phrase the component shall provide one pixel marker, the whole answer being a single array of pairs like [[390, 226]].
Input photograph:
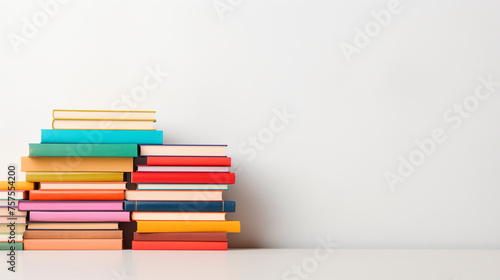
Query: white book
[[4, 195], [173, 195], [183, 150], [5, 211], [178, 216], [5, 237], [10, 219], [83, 185], [182, 187], [157, 168], [103, 114]]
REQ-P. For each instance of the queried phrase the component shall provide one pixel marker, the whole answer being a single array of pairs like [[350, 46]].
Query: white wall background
[[323, 175]]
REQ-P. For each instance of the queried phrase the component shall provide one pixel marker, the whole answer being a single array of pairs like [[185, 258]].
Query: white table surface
[[342, 264]]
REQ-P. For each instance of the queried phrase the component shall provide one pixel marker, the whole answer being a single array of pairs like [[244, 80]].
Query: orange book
[[108, 164], [73, 244], [77, 195]]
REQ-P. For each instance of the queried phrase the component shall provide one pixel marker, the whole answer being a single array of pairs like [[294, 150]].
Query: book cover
[[180, 206], [82, 150], [73, 244], [187, 178], [40, 205], [188, 226], [79, 216], [179, 245], [77, 195], [65, 136], [183, 150], [183, 195], [181, 236], [109, 164], [74, 176], [183, 161]]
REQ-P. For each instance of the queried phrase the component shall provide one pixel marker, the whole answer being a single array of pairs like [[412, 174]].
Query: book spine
[[180, 206], [184, 161], [74, 176], [75, 216], [178, 245], [27, 205], [187, 178], [188, 226], [77, 195], [83, 150], [102, 136]]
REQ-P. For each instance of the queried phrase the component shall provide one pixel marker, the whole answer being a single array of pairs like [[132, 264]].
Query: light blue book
[[64, 136]]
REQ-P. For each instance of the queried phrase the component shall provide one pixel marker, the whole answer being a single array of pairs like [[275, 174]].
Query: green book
[[6, 245], [83, 150]]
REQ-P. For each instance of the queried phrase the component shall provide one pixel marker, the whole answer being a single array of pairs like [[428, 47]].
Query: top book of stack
[[103, 119]]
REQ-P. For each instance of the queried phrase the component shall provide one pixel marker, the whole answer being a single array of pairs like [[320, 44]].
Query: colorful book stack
[[178, 201], [12, 221], [80, 167]]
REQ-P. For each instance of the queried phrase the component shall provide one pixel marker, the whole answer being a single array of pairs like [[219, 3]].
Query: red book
[[183, 177], [181, 236], [77, 195], [184, 161], [178, 245]]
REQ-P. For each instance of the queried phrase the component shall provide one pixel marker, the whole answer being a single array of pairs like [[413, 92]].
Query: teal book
[[83, 150], [7, 245], [72, 136]]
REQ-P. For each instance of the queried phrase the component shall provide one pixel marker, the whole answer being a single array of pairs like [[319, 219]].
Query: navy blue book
[[180, 206], [102, 136]]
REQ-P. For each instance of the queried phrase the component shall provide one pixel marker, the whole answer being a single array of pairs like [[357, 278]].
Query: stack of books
[[12, 221], [80, 168], [178, 201]]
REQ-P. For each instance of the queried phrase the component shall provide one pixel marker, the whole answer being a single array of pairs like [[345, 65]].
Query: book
[[71, 226], [180, 206], [77, 195], [178, 216], [16, 219], [9, 203], [110, 164], [73, 244], [181, 236], [5, 237], [183, 150], [74, 176], [182, 186], [10, 246], [183, 161], [102, 114], [188, 226], [78, 216], [151, 168], [17, 195], [7, 228], [82, 150], [40, 205], [173, 195], [19, 186], [83, 185], [179, 245], [183, 178], [104, 124], [70, 136], [7, 211], [73, 234]]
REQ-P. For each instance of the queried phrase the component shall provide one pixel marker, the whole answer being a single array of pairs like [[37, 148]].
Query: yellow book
[[188, 226], [20, 186], [74, 176]]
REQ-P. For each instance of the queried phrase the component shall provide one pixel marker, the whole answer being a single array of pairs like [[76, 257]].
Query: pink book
[[74, 216], [71, 205]]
